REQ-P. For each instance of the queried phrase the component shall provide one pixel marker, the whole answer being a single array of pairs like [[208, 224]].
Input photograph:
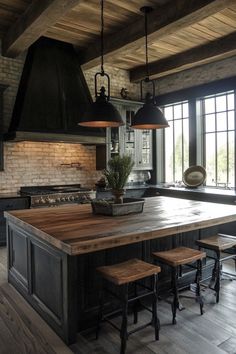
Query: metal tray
[[108, 207]]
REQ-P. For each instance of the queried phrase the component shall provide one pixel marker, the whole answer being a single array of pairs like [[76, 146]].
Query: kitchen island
[[53, 252]]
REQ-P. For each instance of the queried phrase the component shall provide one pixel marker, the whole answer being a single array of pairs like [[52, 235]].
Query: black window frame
[[192, 95]]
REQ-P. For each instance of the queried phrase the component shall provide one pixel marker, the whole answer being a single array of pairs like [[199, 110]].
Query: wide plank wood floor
[[22, 331]]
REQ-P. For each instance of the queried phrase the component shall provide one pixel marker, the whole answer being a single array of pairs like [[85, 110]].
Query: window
[[218, 128], [176, 141]]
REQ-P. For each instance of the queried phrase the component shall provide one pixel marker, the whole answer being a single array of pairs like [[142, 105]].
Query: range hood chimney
[[52, 95]]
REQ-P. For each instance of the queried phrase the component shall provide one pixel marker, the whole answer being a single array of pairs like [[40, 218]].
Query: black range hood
[[52, 95]]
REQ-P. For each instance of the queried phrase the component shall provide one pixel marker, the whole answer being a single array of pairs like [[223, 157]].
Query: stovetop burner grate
[[43, 196]]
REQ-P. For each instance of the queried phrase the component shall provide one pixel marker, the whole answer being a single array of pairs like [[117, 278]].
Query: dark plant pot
[[108, 207]]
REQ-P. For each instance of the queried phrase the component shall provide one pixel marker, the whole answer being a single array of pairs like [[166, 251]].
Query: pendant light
[[101, 113], [149, 116]]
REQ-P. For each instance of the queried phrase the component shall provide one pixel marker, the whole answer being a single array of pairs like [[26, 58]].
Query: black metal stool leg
[[100, 311], [175, 303], [123, 331], [213, 276], [198, 288], [217, 285], [155, 319], [135, 308]]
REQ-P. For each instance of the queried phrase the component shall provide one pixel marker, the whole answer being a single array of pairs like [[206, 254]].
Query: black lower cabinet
[[10, 204], [47, 278]]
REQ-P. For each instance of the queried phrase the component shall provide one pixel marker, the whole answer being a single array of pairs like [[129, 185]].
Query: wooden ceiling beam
[[164, 21], [215, 50], [35, 21]]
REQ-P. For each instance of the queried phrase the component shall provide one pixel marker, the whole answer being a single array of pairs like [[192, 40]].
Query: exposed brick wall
[[10, 73], [119, 79], [197, 76], [33, 163]]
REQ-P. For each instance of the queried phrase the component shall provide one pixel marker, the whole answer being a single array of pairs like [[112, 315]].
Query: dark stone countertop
[[11, 195], [202, 190]]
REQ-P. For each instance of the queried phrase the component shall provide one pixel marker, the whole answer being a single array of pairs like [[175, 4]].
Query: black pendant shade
[[149, 116], [101, 113]]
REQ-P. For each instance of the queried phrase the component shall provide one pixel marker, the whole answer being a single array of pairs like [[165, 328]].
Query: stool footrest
[[140, 296], [111, 323], [139, 328]]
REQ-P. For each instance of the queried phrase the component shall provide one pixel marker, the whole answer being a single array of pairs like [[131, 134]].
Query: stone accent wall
[[33, 163]]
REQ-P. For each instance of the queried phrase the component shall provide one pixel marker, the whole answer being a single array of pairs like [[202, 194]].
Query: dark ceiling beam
[[216, 50], [35, 21], [164, 21]]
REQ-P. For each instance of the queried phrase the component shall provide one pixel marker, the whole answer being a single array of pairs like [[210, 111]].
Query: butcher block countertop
[[75, 230]]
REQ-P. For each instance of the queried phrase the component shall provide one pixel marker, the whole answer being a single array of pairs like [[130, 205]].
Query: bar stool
[[218, 244], [122, 275], [176, 258]]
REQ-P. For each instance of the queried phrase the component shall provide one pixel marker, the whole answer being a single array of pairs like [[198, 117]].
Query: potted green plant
[[119, 168], [116, 176]]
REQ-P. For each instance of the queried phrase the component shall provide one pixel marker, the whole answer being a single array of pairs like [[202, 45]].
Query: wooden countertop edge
[[102, 243], [89, 246], [39, 233]]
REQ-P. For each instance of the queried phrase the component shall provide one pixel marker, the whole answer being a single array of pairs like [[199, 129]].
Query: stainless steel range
[[47, 196]]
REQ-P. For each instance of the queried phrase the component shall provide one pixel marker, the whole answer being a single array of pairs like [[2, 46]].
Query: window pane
[[221, 103], [186, 143], [177, 111], [178, 150], [210, 123], [230, 98], [209, 105], [222, 158], [210, 159], [185, 110], [221, 121], [231, 158], [231, 120], [169, 153], [168, 112]]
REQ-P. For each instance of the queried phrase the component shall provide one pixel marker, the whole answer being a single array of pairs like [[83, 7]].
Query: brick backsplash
[[33, 163]]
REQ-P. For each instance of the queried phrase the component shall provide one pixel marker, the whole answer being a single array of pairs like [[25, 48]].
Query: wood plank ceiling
[[182, 33]]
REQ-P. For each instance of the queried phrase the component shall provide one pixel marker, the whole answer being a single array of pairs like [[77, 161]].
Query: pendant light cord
[[146, 45], [102, 36]]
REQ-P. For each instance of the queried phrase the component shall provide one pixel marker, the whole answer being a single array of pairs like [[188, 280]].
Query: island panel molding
[[75, 230]]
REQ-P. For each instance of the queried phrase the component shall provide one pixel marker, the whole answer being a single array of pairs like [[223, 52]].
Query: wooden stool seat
[[179, 256], [129, 271], [176, 258], [217, 243]]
